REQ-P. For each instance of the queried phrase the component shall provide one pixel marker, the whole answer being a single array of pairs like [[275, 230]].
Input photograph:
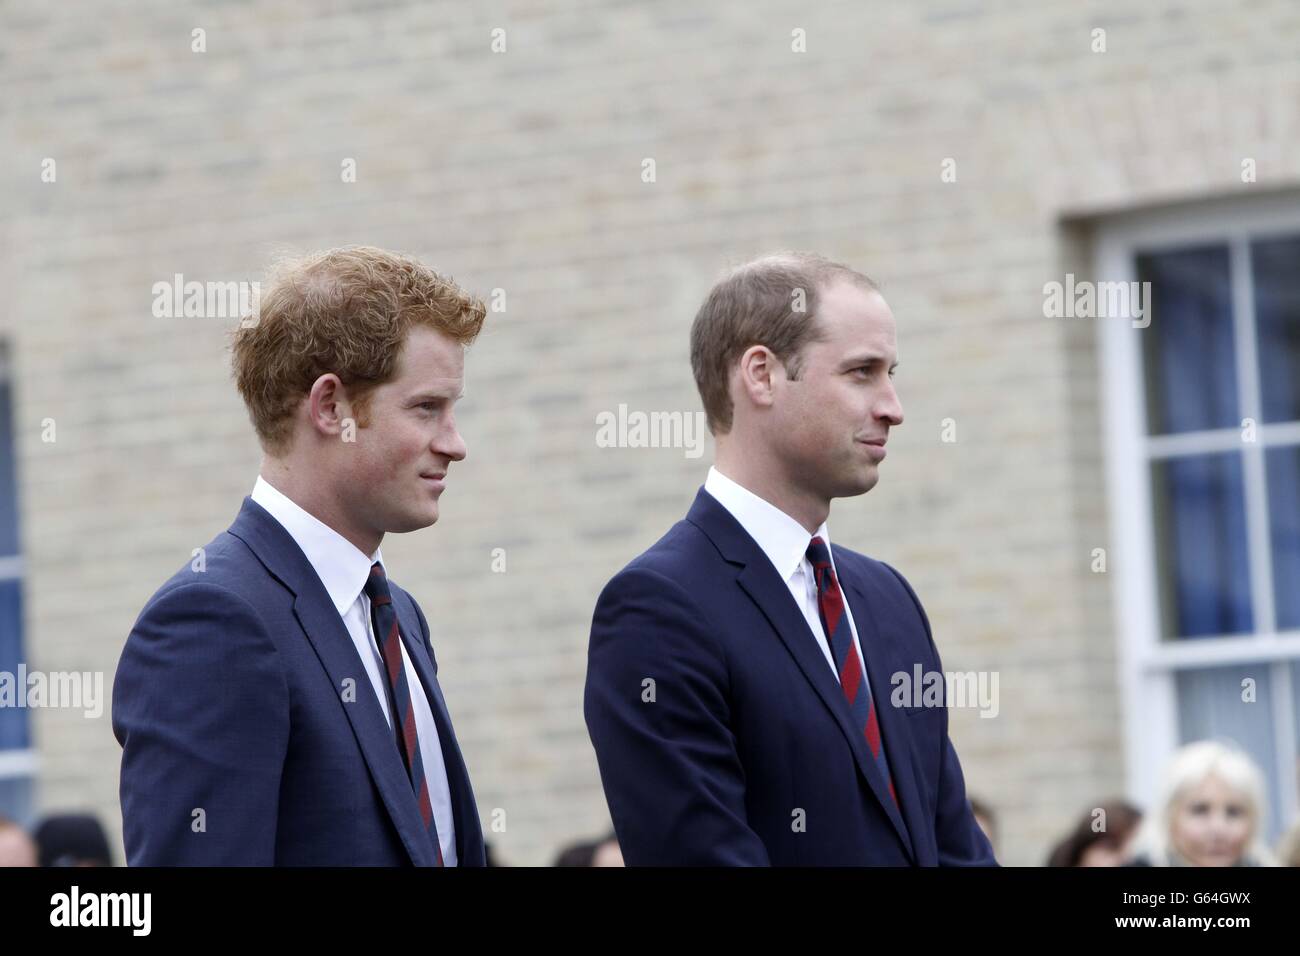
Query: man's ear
[[758, 366], [328, 406]]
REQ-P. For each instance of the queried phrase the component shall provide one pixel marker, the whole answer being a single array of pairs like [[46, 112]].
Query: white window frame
[[15, 762], [1147, 665]]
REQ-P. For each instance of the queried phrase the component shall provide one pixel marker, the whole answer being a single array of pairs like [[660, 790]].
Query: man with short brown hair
[[740, 671], [277, 701]]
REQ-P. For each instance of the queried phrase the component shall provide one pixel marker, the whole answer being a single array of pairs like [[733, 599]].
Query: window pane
[[1275, 265], [16, 800], [1210, 705], [1283, 466], [1201, 542], [1188, 349], [13, 720]]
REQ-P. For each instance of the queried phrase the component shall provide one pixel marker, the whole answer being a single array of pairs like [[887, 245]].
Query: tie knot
[[818, 553], [377, 585]]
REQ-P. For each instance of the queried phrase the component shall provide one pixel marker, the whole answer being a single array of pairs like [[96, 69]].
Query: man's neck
[[808, 511], [283, 476]]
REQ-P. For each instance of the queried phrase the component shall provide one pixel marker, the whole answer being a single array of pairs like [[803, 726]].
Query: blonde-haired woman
[[1210, 811]]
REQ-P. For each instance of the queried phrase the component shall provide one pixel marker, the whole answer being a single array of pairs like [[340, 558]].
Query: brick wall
[[522, 171]]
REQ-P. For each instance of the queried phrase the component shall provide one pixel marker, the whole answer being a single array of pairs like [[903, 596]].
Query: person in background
[[16, 847], [987, 820], [73, 839], [1100, 838], [602, 852], [1288, 848], [1210, 811]]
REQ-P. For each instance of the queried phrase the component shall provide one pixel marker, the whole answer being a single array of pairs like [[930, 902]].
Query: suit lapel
[[329, 637], [468, 834], [765, 588], [881, 656]]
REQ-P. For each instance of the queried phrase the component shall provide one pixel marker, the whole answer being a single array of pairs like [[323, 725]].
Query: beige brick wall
[[522, 171]]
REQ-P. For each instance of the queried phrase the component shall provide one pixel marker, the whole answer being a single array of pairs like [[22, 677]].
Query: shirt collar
[[341, 566], [784, 540]]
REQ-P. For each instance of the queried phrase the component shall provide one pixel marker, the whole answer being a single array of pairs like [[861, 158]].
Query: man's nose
[[890, 408], [451, 444]]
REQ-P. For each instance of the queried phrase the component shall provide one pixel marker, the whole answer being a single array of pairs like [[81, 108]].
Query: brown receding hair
[[345, 311], [755, 304]]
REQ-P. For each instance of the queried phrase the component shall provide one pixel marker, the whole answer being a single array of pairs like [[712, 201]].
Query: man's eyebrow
[[858, 361], [437, 396]]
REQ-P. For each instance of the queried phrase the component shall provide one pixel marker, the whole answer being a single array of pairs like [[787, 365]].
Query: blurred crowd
[[1209, 812]]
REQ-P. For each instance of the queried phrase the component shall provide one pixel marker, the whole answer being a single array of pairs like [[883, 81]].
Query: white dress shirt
[[785, 542], [344, 570]]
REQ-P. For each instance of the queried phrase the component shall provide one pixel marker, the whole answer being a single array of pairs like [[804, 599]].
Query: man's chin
[[414, 522], [860, 483]]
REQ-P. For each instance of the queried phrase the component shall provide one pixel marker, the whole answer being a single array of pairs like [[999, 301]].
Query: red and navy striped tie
[[390, 648], [853, 679]]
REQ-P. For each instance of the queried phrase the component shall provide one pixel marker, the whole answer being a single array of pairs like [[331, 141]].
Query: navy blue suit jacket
[[230, 699], [742, 751]]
